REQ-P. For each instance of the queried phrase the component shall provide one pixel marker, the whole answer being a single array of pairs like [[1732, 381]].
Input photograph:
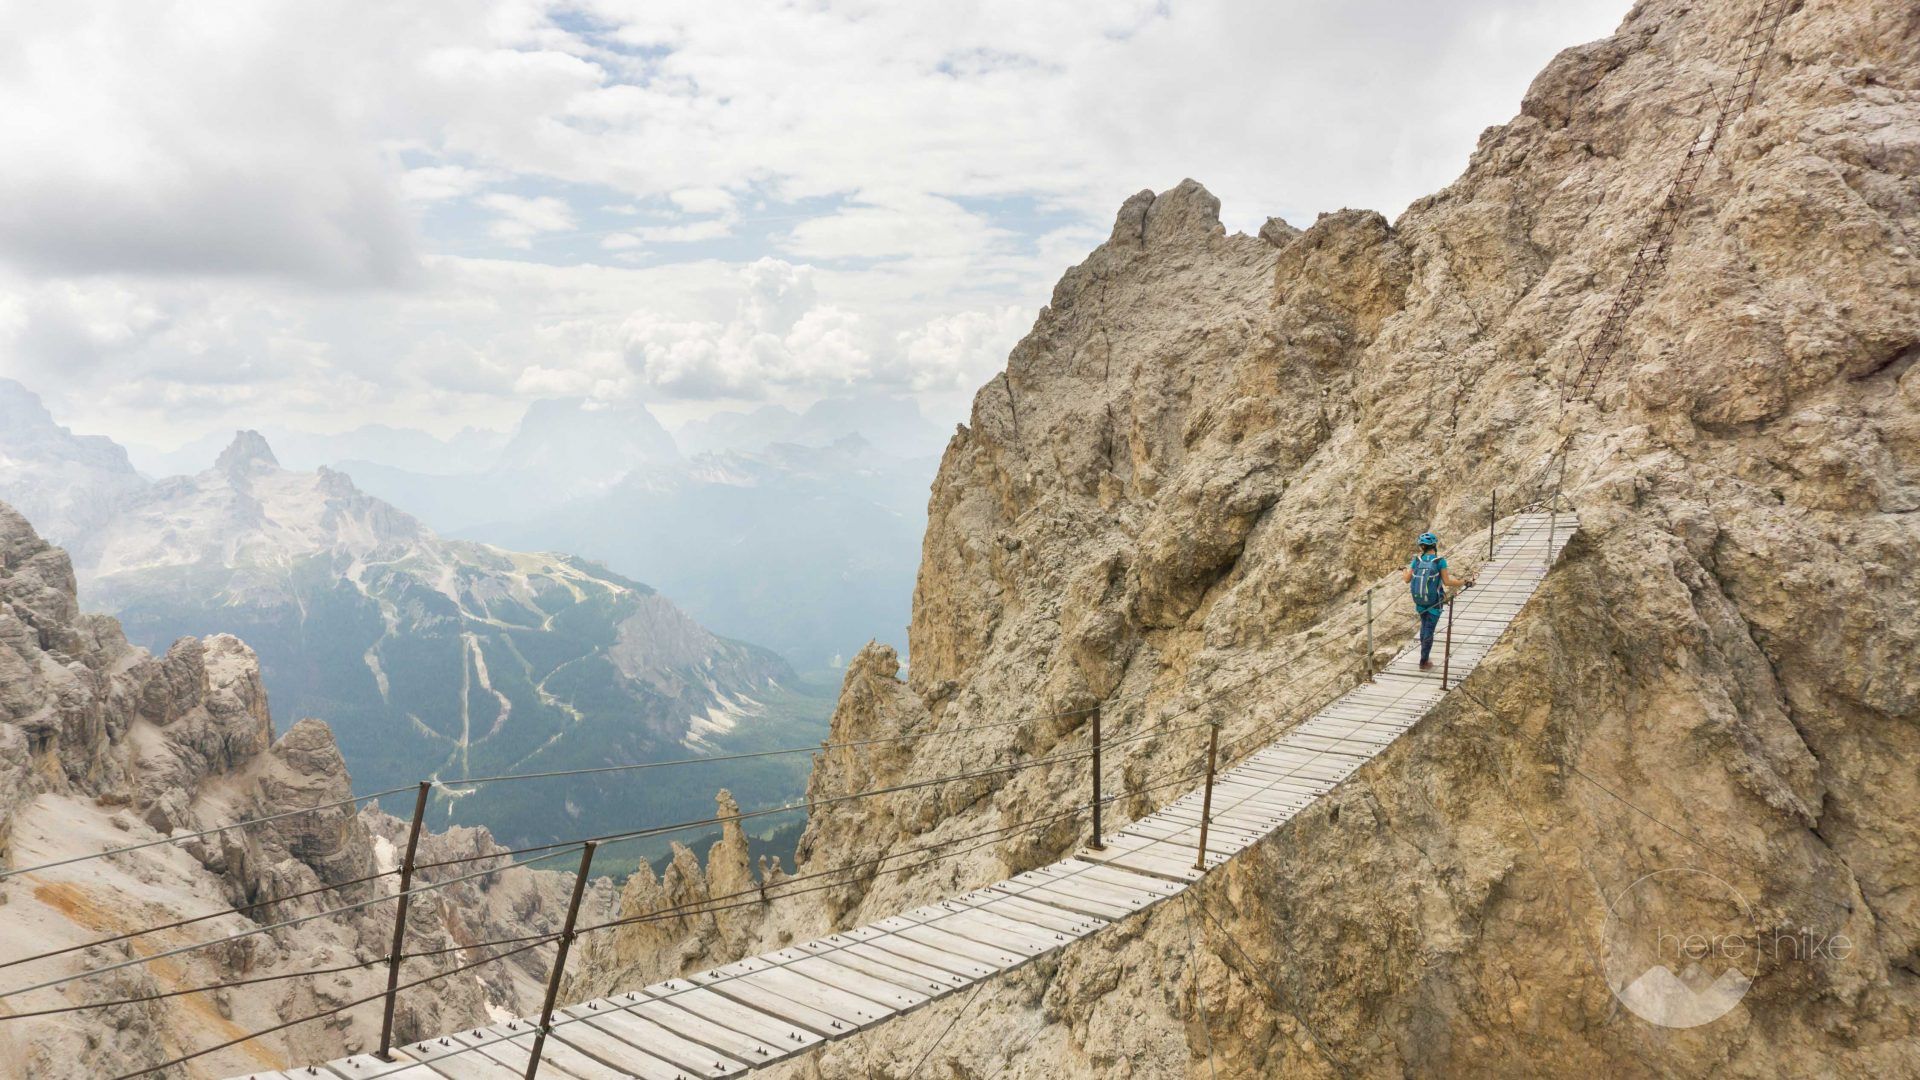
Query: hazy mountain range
[[429, 656], [797, 530]]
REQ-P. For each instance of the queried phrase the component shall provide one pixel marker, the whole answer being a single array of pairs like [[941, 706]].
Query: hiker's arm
[[1447, 578], [1407, 575]]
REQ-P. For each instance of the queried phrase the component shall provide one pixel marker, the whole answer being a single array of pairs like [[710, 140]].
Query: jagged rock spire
[[247, 451]]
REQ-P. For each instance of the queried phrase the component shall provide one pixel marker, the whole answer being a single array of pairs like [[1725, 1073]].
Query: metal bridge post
[[1369, 631], [1553, 510], [400, 920], [1446, 657], [560, 960], [1206, 801], [1493, 515], [1096, 845]]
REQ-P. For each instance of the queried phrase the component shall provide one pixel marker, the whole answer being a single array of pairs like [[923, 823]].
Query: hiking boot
[[1426, 665]]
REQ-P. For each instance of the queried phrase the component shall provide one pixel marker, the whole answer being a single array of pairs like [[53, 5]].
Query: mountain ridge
[[432, 657]]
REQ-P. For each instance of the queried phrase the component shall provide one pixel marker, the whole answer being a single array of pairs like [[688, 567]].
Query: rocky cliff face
[[103, 745], [1209, 444]]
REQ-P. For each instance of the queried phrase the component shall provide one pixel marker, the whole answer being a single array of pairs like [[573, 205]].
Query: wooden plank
[[850, 1009], [1332, 746], [1074, 877], [1248, 792], [1171, 855], [1026, 941], [1186, 834], [1348, 731], [450, 1058], [515, 1051], [1174, 815], [1170, 829], [815, 1020], [1119, 879], [736, 1044], [988, 920], [1283, 762], [1276, 796], [999, 957], [1123, 901], [558, 1051], [1300, 762], [1296, 789], [967, 966], [370, 1067], [1174, 864], [1243, 794], [615, 1053], [1035, 911], [885, 991], [1176, 870], [920, 978], [873, 1000], [1303, 766], [916, 971], [713, 1008], [1256, 820], [872, 959], [1014, 907], [656, 1041], [1253, 821], [1381, 703]]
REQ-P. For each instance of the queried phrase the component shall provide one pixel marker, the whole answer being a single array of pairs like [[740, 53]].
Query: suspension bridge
[[760, 1010]]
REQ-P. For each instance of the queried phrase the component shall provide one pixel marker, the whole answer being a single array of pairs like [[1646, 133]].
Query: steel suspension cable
[[766, 894], [534, 941], [562, 848], [810, 804]]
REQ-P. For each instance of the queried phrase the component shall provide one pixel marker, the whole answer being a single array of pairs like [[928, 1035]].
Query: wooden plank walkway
[[738, 1017]]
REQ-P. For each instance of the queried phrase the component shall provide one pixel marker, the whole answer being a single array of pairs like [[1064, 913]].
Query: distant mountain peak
[[246, 453]]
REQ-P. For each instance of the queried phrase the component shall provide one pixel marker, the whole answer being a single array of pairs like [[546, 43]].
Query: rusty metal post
[[1096, 845], [1446, 658], [1369, 631], [400, 920], [1493, 515], [1206, 801], [560, 960], [1553, 510]]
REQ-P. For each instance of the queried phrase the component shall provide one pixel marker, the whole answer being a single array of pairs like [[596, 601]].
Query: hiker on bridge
[[1428, 578]]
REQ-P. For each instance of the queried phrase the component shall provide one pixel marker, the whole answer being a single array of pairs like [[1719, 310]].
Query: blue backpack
[[1428, 590]]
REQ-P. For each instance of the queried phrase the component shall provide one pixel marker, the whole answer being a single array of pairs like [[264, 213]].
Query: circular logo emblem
[[1680, 947]]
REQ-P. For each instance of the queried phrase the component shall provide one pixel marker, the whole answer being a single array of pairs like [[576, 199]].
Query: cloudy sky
[[255, 212]]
